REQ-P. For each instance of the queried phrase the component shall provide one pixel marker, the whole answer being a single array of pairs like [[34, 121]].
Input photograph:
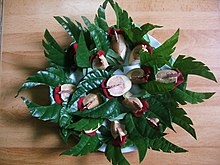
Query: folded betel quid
[[115, 88]]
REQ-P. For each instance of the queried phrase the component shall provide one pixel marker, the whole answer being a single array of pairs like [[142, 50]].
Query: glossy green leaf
[[100, 19], [99, 36], [95, 74], [182, 96], [136, 128], [75, 30], [133, 128], [139, 127], [142, 146], [51, 77], [84, 146], [65, 117], [189, 65], [53, 51], [113, 58], [51, 41], [124, 22], [82, 54], [164, 145], [135, 34], [158, 110], [154, 87], [179, 117], [114, 155], [69, 26], [109, 109], [86, 124], [45, 113], [152, 60], [167, 48], [66, 133]]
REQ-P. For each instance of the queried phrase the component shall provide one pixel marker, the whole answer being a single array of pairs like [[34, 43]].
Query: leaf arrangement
[[111, 87]]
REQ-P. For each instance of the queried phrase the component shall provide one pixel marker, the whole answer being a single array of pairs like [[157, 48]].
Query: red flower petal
[[91, 134], [111, 31], [75, 47], [138, 113], [149, 48], [105, 90], [100, 53], [119, 142], [73, 52], [145, 108], [57, 95], [147, 71], [180, 79], [119, 31], [80, 104], [145, 105]]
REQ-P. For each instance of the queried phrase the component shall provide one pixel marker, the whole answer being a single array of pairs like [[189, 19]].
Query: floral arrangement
[[113, 88]]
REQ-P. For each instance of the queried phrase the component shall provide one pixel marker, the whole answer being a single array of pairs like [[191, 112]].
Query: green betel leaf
[[75, 30], [109, 109], [95, 74], [52, 42], [69, 26], [189, 65], [152, 60], [113, 58], [158, 110], [82, 54], [52, 50], [182, 96], [139, 127], [136, 128], [66, 133], [179, 117], [45, 113], [133, 128], [99, 36], [124, 22], [86, 124], [114, 155], [135, 34], [51, 77], [164, 145], [100, 19], [84, 146], [167, 48], [154, 87], [65, 117], [142, 146]]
